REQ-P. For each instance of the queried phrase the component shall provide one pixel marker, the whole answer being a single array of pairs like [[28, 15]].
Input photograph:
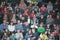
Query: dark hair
[[11, 22], [12, 33], [29, 30]]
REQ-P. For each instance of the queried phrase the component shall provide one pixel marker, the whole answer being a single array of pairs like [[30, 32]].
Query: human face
[[48, 25], [58, 17], [33, 30], [18, 31], [4, 21], [39, 38], [18, 22], [41, 25], [28, 38], [29, 32], [11, 23], [8, 38]]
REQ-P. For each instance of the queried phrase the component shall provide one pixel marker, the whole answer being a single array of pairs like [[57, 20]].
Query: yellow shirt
[[43, 37]]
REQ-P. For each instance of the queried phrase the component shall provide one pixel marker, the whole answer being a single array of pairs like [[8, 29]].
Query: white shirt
[[11, 28], [32, 26], [18, 35]]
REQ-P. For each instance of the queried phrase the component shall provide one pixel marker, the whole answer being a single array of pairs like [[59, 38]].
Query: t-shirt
[[41, 30], [11, 28]]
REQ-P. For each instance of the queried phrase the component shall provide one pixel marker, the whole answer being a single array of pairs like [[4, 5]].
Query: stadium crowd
[[23, 20]]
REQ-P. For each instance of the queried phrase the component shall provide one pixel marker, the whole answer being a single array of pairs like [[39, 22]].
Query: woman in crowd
[[11, 27]]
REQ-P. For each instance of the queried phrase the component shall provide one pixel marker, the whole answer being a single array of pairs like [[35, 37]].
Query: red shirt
[[43, 8], [32, 15], [25, 13]]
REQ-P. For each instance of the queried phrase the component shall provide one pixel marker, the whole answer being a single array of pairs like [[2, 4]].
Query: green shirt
[[41, 30], [12, 38]]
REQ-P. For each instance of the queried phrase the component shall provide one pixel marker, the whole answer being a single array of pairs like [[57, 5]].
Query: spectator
[[11, 27], [5, 10], [32, 14], [17, 9], [22, 5], [12, 37], [19, 26], [43, 36], [7, 32], [50, 6], [10, 15], [18, 35], [41, 29], [26, 12], [35, 8], [22, 18], [30, 8], [50, 20], [4, 36], [28, 35], [56, 6], [5, 17], [26, 27], [57, 20], [52, 28], [34, 19], [56, 31], [48, 33], [34, 34], [43, 8], [13, 18], [38, 14], [4, 25], [47, 28], [41, 19], [54, 14]]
